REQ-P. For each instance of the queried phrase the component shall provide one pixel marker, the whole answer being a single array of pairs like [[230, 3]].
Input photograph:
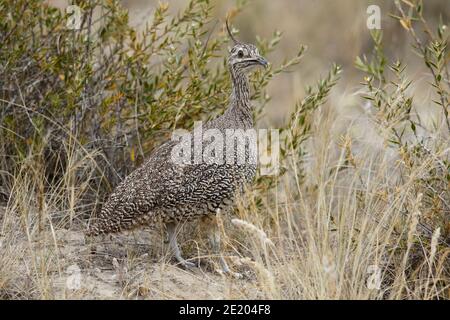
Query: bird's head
[[243, 56]]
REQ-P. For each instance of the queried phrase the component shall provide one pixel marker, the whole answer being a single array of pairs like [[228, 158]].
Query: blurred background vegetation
[[80, 109], [333, 31]]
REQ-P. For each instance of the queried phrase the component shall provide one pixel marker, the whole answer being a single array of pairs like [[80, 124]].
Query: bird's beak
[[262, 62]]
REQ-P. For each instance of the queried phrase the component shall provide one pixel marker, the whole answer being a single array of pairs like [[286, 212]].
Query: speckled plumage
[[161, 190]]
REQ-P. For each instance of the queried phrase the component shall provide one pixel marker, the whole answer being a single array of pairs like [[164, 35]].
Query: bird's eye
[[240, 54]]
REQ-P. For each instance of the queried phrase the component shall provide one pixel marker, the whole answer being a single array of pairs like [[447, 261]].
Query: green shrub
[[106, 86], [79, 110]]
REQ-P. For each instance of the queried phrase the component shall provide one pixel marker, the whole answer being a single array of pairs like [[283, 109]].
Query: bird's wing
[[139, 193], [161, 184]]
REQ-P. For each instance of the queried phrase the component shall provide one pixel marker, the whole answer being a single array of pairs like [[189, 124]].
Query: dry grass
[[323, 240], [361, 211]]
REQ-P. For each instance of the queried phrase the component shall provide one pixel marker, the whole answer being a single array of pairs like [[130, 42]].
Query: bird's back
[[164, 190], [168, 190]]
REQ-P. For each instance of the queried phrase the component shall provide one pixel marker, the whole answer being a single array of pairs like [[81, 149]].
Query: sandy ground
[[128, 267], [63, 264]]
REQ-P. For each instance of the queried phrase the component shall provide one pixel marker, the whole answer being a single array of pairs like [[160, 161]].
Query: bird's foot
[[225, 269], [186, 264], [228, 272]]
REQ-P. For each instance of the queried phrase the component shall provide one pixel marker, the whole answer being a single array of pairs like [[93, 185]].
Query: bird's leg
[[166, 237], [214, 240], [172, 232], [212, 222]]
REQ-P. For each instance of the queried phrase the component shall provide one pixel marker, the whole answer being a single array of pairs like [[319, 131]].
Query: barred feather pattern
[[161, 190]]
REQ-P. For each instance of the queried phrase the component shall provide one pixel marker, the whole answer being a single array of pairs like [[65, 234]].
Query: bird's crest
[[230, 34]]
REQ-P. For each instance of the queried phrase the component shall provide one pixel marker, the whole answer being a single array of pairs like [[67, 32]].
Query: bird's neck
[[240, 97]]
